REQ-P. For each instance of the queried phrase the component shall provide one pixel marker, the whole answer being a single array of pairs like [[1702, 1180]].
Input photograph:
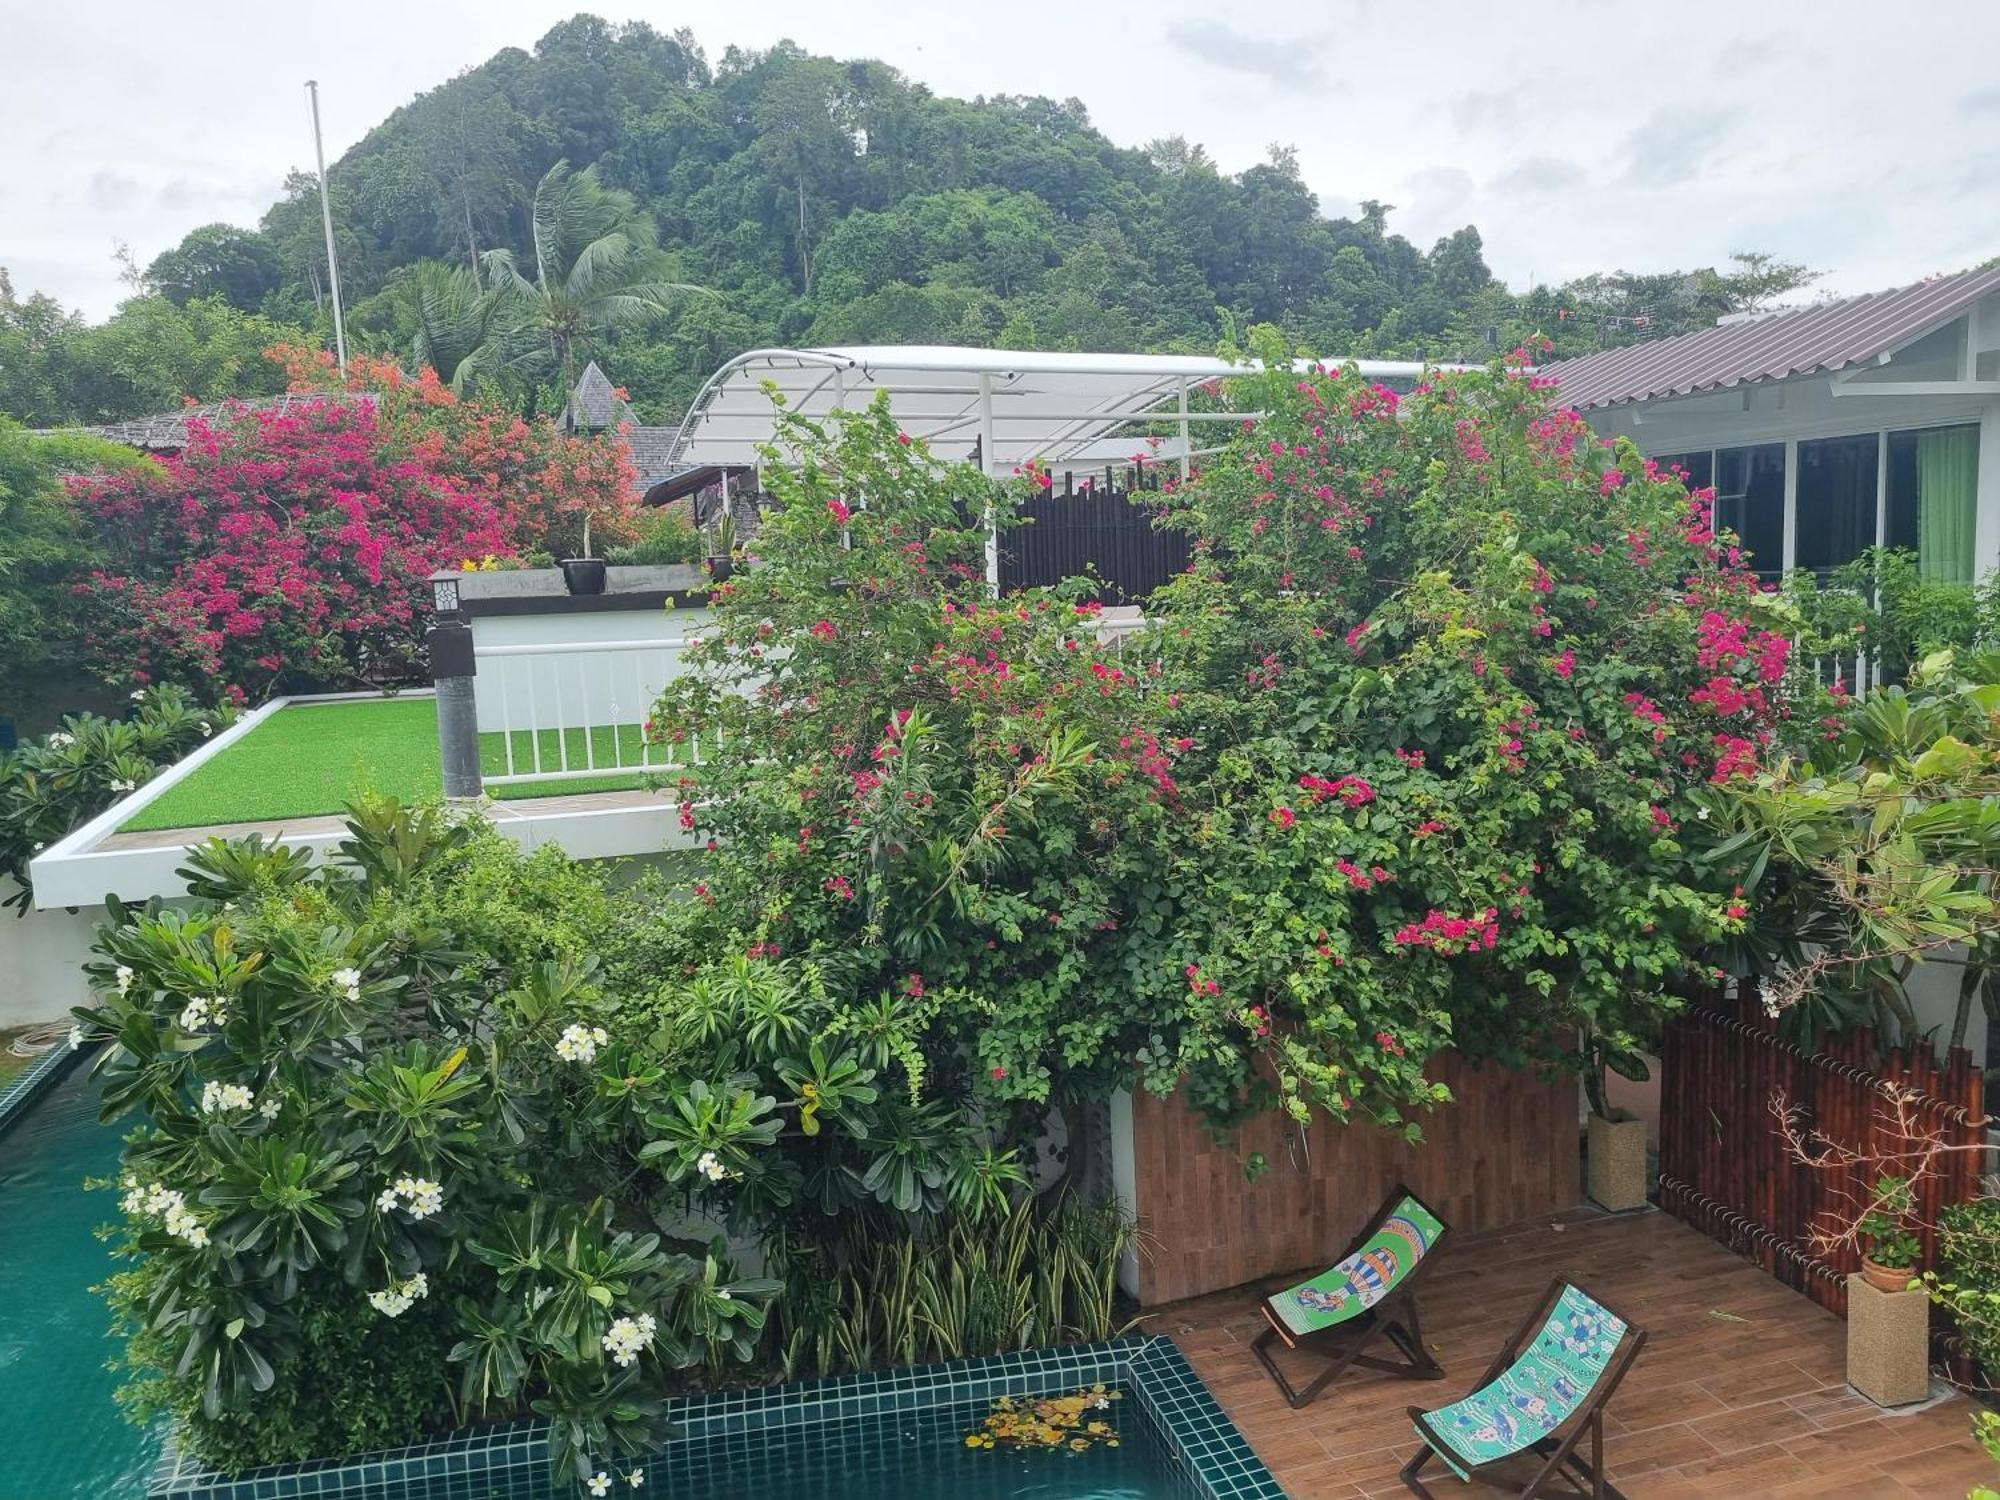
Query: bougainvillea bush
[[1451, 675], [544, 481], [1404, 763], [941, 801], [279, 549]]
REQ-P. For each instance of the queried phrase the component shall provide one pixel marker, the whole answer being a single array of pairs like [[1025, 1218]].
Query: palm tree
[[452, 318], [597, 269]]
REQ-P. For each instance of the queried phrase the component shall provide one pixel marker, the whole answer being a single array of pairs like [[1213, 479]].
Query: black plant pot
[[583, 575], [719, 568]]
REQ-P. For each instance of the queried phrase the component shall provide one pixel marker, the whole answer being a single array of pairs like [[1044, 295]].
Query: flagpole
[[326, 221]]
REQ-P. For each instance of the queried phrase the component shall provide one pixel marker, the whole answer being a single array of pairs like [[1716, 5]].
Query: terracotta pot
[[1887, 1278]]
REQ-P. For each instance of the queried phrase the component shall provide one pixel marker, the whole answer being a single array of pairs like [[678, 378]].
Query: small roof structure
[[595, 403], [1822, 339], [1037, 404]]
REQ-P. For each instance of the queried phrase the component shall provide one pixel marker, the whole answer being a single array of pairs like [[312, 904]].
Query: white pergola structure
[[1015, 404]]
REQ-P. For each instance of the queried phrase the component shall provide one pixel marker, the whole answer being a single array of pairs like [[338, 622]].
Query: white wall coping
[[75, 871]]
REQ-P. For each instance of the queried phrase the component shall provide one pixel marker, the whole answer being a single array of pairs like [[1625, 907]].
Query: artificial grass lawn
[[312, 759]]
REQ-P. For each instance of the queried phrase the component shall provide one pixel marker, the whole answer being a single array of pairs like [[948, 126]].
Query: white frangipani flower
[[579, 1043], [400, 1296], [169, 1206], [125, 977], [271, 1106], [122, 784], [204, 1011], [348, 982], [636, 1478], [60, 741], [75, 1038], [419, 1197], [599, 1483], [628, 1337], [221, 1098], [710, 1166]]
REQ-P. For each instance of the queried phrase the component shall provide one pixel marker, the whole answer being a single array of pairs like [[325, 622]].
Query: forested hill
[[838, 202]]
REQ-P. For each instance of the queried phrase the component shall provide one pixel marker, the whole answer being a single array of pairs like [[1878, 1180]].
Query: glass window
[[1933, 499], [1699, 466], [1750, 501], [1836, 501]]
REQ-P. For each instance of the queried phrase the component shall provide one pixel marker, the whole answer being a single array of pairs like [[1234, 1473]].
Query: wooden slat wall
[[1504, 1152]]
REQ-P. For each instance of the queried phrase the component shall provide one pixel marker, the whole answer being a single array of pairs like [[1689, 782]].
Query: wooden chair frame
[[1344, 1345], [1558, 1450]]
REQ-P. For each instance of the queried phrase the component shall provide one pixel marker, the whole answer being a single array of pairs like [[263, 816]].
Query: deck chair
[[1369, 1293], [1547, 1388]]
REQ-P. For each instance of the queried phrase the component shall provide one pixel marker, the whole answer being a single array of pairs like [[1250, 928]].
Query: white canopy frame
[[1019, 404]]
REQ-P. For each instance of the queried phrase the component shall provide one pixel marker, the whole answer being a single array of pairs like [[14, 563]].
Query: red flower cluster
[[1445, 934]]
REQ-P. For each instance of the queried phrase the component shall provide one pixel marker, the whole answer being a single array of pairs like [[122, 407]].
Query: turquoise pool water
[[922, 1456], [65, 1439]]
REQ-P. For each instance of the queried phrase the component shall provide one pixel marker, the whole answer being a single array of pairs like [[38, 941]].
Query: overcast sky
[[1578, 135]]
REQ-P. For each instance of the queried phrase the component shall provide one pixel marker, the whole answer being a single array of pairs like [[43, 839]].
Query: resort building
[[1829, 429]]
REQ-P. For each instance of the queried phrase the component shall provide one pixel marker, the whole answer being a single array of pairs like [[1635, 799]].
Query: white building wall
[[41, 958]]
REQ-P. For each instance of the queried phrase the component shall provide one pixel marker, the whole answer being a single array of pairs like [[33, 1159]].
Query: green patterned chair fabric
[[1364, 1278], [1533, 1396]]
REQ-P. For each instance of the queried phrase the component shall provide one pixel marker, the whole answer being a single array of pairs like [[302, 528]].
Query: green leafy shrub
[[51, 786], [982, 1281], [355, 1116], [663, 537], [1969, 1242]]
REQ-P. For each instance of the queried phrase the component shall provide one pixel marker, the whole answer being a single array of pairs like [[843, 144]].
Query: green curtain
[[1947, 503]]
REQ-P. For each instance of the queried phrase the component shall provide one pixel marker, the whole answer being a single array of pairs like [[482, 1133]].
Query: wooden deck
[[1714, 1407]]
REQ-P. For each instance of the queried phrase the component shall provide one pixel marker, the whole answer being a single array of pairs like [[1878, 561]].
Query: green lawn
[[310, 759]]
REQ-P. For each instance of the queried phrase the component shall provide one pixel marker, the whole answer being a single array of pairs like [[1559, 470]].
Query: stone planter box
[[1888, 1343], [1617, 1163]]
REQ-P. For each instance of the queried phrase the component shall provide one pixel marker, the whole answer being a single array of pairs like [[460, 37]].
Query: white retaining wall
[[41, 958]]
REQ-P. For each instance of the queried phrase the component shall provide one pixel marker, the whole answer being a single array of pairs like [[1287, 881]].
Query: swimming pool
[[65, 1437]]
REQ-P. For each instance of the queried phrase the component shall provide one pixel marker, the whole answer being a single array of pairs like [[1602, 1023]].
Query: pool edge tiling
[[510, 1463], [20, 1092]]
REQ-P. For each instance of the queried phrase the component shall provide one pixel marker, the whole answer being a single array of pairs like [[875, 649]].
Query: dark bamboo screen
[[1726, 1169], [1106, 529]]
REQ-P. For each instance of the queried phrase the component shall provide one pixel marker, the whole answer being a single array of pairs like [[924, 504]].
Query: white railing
[[574, 710]]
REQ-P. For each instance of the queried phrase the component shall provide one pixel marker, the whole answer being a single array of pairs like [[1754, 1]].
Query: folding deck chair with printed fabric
[[1539, 1398], [1369, 1293]]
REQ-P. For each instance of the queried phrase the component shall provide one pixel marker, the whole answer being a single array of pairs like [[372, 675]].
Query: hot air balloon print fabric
[[1364, 1278]]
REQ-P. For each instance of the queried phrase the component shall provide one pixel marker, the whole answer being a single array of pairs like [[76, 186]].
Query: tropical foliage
[[52, 785], [1872, 847], [434, 1105]]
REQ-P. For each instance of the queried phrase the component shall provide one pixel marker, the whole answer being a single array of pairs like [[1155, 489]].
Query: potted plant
[[1890, 1247], [583, 574], [1616, 1138], [722, 545]]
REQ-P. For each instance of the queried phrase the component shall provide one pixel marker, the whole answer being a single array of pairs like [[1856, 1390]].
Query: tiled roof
[[166, 432], [1813, 340]]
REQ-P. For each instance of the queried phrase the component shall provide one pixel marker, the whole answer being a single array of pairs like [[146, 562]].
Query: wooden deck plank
[[1714, 1406]]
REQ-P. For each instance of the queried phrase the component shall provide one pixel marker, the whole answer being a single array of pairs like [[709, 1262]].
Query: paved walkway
[[1740, 1391]]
